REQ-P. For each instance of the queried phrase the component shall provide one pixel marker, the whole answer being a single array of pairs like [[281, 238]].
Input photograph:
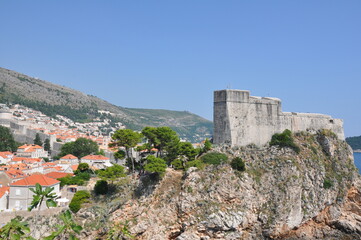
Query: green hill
[[354, 142], [52, 99]]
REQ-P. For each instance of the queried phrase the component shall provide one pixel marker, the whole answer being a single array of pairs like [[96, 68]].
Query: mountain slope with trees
[[354, 142], [52, 99]]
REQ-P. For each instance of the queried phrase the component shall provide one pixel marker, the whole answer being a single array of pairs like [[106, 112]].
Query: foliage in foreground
[[41, 195], [15, 229], [68, 228]]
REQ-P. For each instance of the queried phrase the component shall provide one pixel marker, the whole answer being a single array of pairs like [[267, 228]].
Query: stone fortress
[[241, 119]]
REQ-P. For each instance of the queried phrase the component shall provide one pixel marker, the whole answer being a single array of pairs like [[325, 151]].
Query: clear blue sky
[[174, 54]]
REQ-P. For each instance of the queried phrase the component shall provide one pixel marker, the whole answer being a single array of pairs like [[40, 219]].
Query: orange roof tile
[[74, 167], [34, 179], [14, 173], [3, 190], [57, 175], [94, 157], [49, 164], [69, 156]]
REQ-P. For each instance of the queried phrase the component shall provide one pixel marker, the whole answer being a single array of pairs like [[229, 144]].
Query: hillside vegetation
[[354, 142], [52, 99]]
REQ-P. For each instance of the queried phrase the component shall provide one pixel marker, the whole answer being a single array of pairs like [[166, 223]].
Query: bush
[[79, 198], [284, 139], [101, 187], [214, 158], [327, 183], [195, 163], [177, 164], [74, 206], [238, 164]]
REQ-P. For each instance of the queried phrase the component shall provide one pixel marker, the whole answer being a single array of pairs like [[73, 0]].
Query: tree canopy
[[112, 173], [37, 140], [161, 138], [7, 142], [80, 148], [155, 165], [126, 138]]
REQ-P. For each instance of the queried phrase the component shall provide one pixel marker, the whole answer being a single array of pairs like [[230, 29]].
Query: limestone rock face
[[315, 194]]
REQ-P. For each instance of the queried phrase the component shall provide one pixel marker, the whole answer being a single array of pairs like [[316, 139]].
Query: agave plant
[[40, 195]]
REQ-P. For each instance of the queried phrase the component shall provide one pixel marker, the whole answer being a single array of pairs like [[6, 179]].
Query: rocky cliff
[[315, 194], [282, 195]]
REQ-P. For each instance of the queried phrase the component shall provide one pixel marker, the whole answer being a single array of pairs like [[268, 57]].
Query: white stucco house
[[96, 161], [31, 151], [20, 196]]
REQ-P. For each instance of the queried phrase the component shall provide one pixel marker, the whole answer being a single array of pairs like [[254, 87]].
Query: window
[[17, 203], [18, 192]]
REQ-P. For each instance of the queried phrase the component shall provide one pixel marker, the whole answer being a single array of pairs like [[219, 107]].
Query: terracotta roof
[[29, 145], [14, 173], [94, 157], [74, 167], [3, 190], [69, 156], [49, 164], [35, 178], [57, 175], [7, 153]]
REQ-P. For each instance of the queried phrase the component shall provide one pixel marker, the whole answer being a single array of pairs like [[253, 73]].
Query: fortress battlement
[[241, 119]]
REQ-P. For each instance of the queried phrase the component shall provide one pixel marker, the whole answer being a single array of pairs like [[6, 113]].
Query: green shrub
[[195, 163], [327, 183], [214, 158], [238, 164], [177, 164], [284, 139], [74, 206], [79, 198], [101, 187]]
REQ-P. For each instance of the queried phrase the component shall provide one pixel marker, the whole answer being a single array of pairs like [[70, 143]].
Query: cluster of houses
[[21, 171]]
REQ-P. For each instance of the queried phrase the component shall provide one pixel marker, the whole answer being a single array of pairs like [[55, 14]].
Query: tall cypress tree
[[37, 140]]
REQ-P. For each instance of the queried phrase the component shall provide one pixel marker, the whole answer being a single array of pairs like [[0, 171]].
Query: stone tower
[[241, 119]]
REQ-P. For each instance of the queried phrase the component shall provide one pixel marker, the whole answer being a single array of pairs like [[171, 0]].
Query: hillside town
[[59, 129]]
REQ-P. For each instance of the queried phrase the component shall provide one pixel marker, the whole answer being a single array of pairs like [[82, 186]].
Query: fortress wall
[[241, 119]]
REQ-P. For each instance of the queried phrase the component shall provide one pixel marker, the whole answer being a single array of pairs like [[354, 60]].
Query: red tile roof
[[25, 159], [34, 179], [94, 157], [57, 175], [3, 190], [75, 167], [14, 173], [69, 156]]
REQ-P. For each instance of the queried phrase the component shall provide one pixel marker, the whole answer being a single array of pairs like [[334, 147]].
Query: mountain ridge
[[53, 99]]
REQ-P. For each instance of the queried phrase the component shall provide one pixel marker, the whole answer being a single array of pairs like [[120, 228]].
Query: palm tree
[[15, 230], [69, 227], [41, 195]]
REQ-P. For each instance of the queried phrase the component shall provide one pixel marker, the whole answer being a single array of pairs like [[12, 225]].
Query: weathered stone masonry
[[241, 119]]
